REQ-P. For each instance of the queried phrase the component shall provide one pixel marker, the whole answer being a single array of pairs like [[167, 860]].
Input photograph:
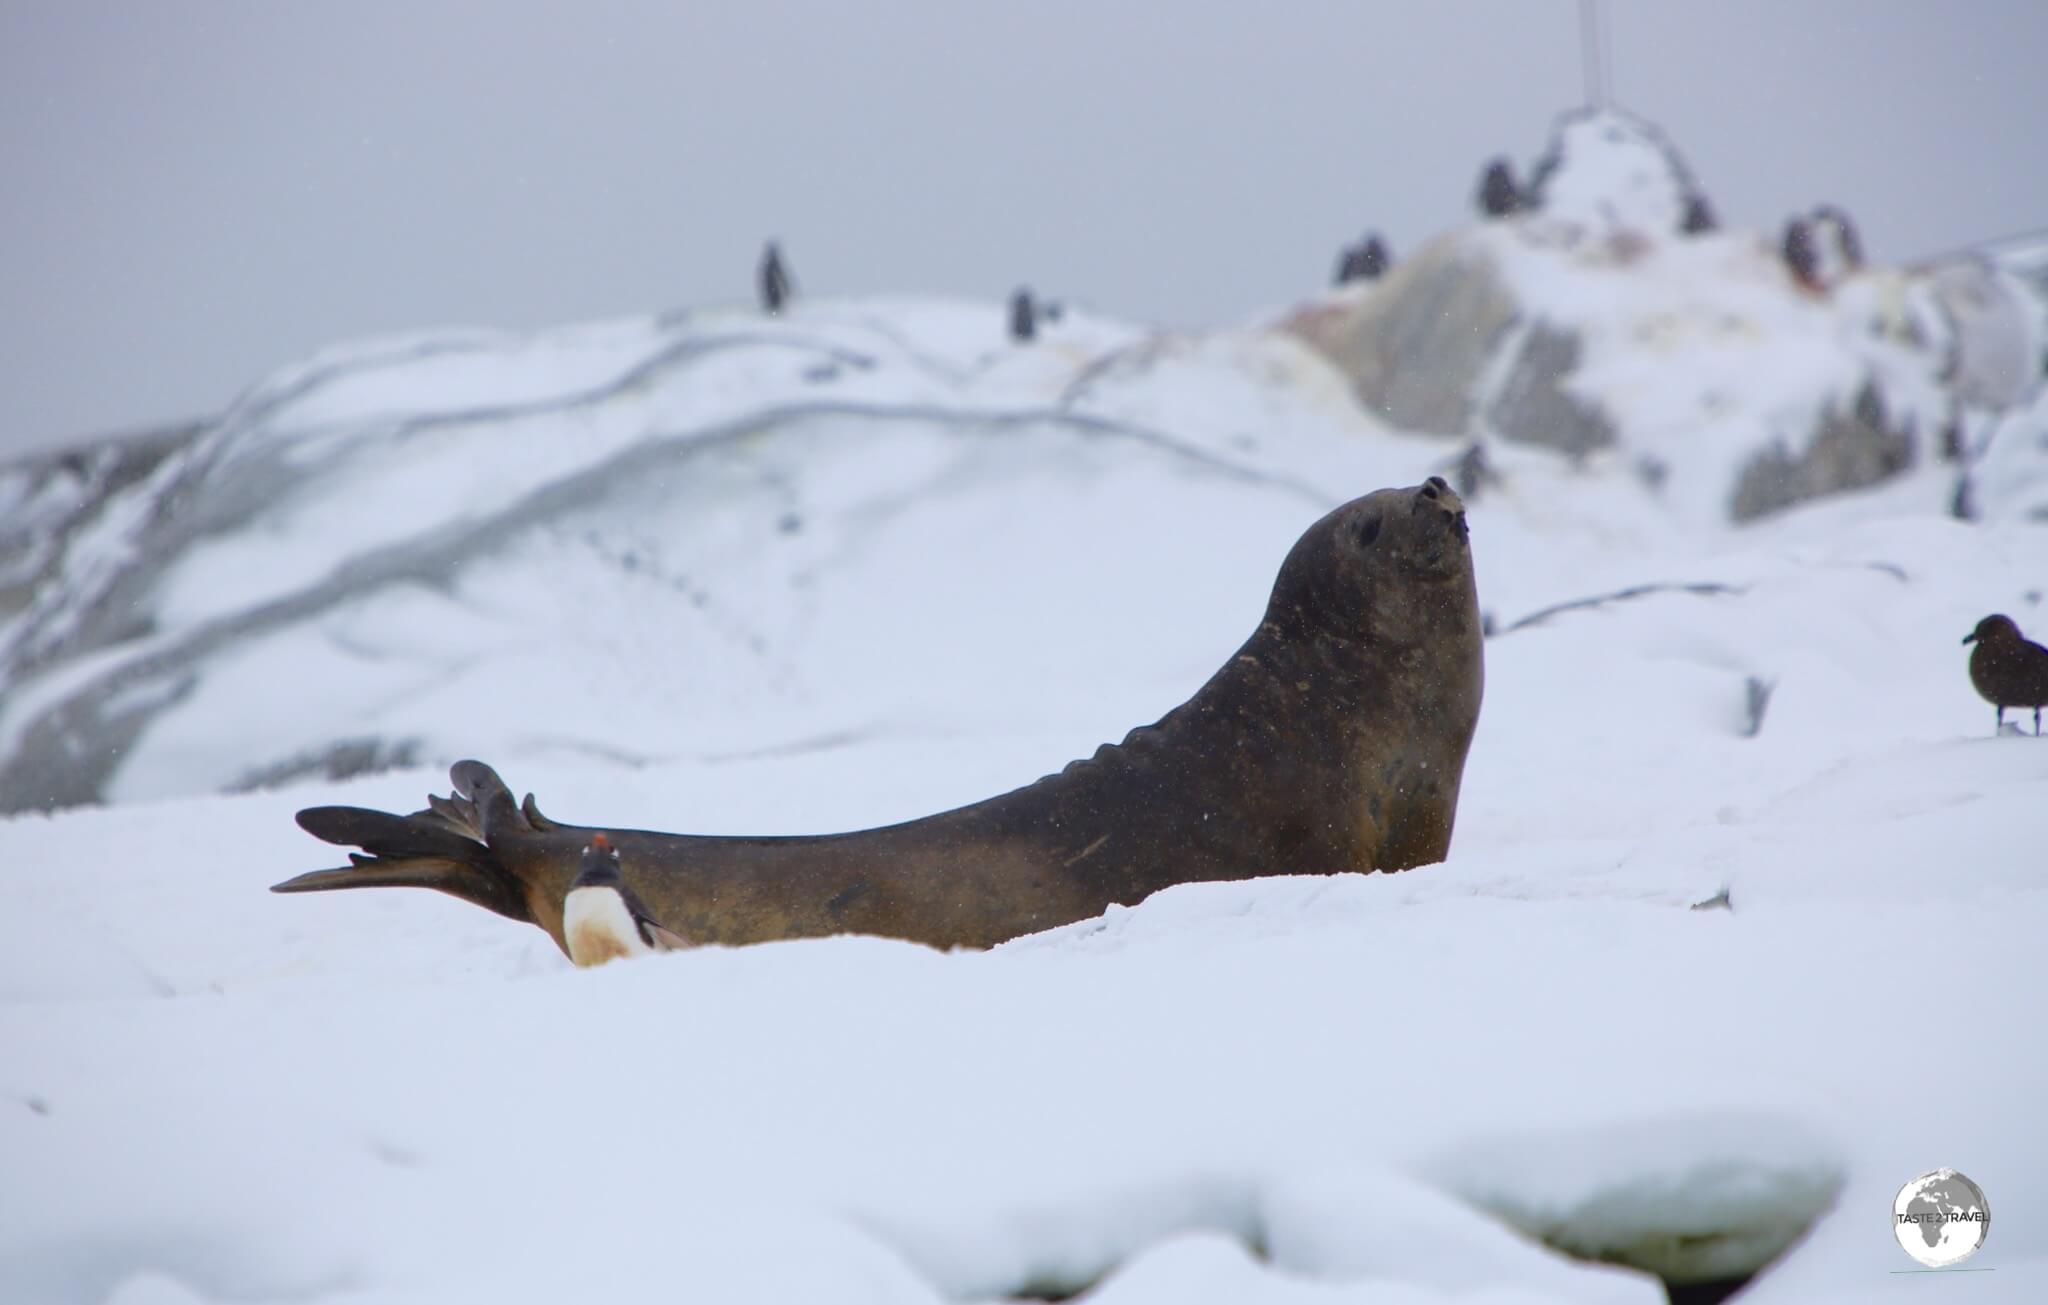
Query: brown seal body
[[2007, 669], [1334, 740]]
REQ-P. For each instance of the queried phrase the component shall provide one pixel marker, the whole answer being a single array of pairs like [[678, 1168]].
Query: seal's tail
[[445, 847]]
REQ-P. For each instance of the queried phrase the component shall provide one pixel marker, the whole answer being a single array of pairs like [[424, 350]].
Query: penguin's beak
[[1970, 637]]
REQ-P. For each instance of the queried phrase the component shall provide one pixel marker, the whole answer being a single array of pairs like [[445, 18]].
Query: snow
[[1408, 1088], [1701, 353], [1607, 170]]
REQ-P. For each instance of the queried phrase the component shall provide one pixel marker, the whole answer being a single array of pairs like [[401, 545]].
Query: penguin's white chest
[[598, 927]]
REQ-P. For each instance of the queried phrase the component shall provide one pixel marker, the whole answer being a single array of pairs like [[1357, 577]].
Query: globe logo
[[1941, 1218]]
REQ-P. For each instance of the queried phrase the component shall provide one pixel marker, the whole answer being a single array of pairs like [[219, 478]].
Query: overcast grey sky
[[195, 192]]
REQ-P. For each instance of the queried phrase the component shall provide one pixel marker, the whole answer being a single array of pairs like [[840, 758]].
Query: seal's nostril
[[1429, 488], [1438, 481]]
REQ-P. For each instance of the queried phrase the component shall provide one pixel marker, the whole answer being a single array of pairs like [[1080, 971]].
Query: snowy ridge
[[317, 503]]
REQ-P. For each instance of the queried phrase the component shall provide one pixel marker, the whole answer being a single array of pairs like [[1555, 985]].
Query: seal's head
[[1391, 566], [1994, 630]]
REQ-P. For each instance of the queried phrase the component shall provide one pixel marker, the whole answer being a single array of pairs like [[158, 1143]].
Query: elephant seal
[[1334, 740]]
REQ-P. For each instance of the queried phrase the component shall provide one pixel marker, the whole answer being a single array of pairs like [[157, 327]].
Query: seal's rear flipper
[[496, 812], [493, 892], [442, 847]]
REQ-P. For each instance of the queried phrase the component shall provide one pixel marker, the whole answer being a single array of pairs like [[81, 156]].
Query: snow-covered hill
[[731, 524], [721, 573]]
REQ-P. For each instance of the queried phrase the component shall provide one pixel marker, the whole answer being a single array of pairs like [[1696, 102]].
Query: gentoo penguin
[[602, 920], [1373, 258], [775, 284], [2009, 671], [1365, 261], [1802, 259], [1499, 196], [1023, 316], [1699, 216], [1347, 266]]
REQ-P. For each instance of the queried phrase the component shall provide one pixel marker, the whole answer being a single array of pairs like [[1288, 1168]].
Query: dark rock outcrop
[[1853, 448]]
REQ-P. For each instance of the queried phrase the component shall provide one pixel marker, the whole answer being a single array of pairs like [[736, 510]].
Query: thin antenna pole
[[1606, 60], [1592, 62]]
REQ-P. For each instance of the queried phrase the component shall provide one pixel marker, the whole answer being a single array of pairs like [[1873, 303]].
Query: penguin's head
[[600, 868]]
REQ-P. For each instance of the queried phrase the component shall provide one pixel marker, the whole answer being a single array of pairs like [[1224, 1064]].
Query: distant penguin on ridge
[[1700, 217], [1347, 266], [1373, 258], [1801, 258], [776, 287], [1365, 261], [1023, 316], [601, 918], [1499, 196]]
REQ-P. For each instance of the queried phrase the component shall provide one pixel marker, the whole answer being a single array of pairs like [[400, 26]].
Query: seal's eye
[[1369, 531]]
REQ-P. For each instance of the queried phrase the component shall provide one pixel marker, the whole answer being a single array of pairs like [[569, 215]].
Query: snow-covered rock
[[1596, 323], [1607, 172], [1695, 360], [1999, 332]]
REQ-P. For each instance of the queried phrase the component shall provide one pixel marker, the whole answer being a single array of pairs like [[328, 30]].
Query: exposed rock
[[45, 498], [66, 755], [342, 760], [1720, 901], [1756, 699], [1962, 505], [1851, 450], [1472, 474], [1533, 406], [1416, 347]]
